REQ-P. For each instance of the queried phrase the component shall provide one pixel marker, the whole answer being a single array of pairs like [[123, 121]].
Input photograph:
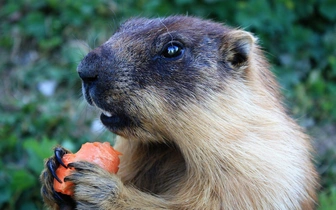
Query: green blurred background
[[41, 43]]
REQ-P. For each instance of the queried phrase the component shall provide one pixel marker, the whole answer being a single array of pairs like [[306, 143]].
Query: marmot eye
[[172, 50]]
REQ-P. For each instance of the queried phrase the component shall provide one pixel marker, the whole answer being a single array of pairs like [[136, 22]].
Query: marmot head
[[151, 68]]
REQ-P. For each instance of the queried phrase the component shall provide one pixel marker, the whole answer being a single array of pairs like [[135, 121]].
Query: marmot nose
[[87, 78], [88, 69]]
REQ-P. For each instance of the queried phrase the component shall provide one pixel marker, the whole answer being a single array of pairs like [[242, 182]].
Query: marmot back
[[199, 120]]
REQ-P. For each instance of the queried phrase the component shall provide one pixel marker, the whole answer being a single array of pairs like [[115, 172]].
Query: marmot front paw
[[88, 192], [95, 188], [50, 196]]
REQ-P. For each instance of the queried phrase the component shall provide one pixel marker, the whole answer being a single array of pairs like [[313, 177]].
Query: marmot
[[199, 120]]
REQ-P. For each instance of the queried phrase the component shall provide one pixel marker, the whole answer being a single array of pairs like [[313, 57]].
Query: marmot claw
[[59, 152], [53, 164], [47, 178]]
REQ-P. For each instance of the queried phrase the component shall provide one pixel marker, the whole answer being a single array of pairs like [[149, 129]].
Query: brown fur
[[207, 131]]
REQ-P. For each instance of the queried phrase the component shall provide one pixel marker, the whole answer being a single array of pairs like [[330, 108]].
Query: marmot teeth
[[108, 114]]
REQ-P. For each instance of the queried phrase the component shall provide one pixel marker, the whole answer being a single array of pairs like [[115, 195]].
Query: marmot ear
[[236, 48]]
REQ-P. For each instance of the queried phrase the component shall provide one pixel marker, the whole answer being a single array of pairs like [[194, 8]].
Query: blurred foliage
[[328, 199], [41, 43]]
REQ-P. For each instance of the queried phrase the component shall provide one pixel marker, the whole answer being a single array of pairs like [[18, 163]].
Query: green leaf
[[9, 8], [28, 205], [37, 152], [21, 180], [328, 9], [34, 25], [5, 189], [328, 199], [51, 43]]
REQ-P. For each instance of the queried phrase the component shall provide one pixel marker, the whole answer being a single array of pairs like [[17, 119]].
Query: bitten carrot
[[102, 154]]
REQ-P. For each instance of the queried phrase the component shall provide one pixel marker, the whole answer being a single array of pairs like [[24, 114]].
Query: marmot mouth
[[115, 122]]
